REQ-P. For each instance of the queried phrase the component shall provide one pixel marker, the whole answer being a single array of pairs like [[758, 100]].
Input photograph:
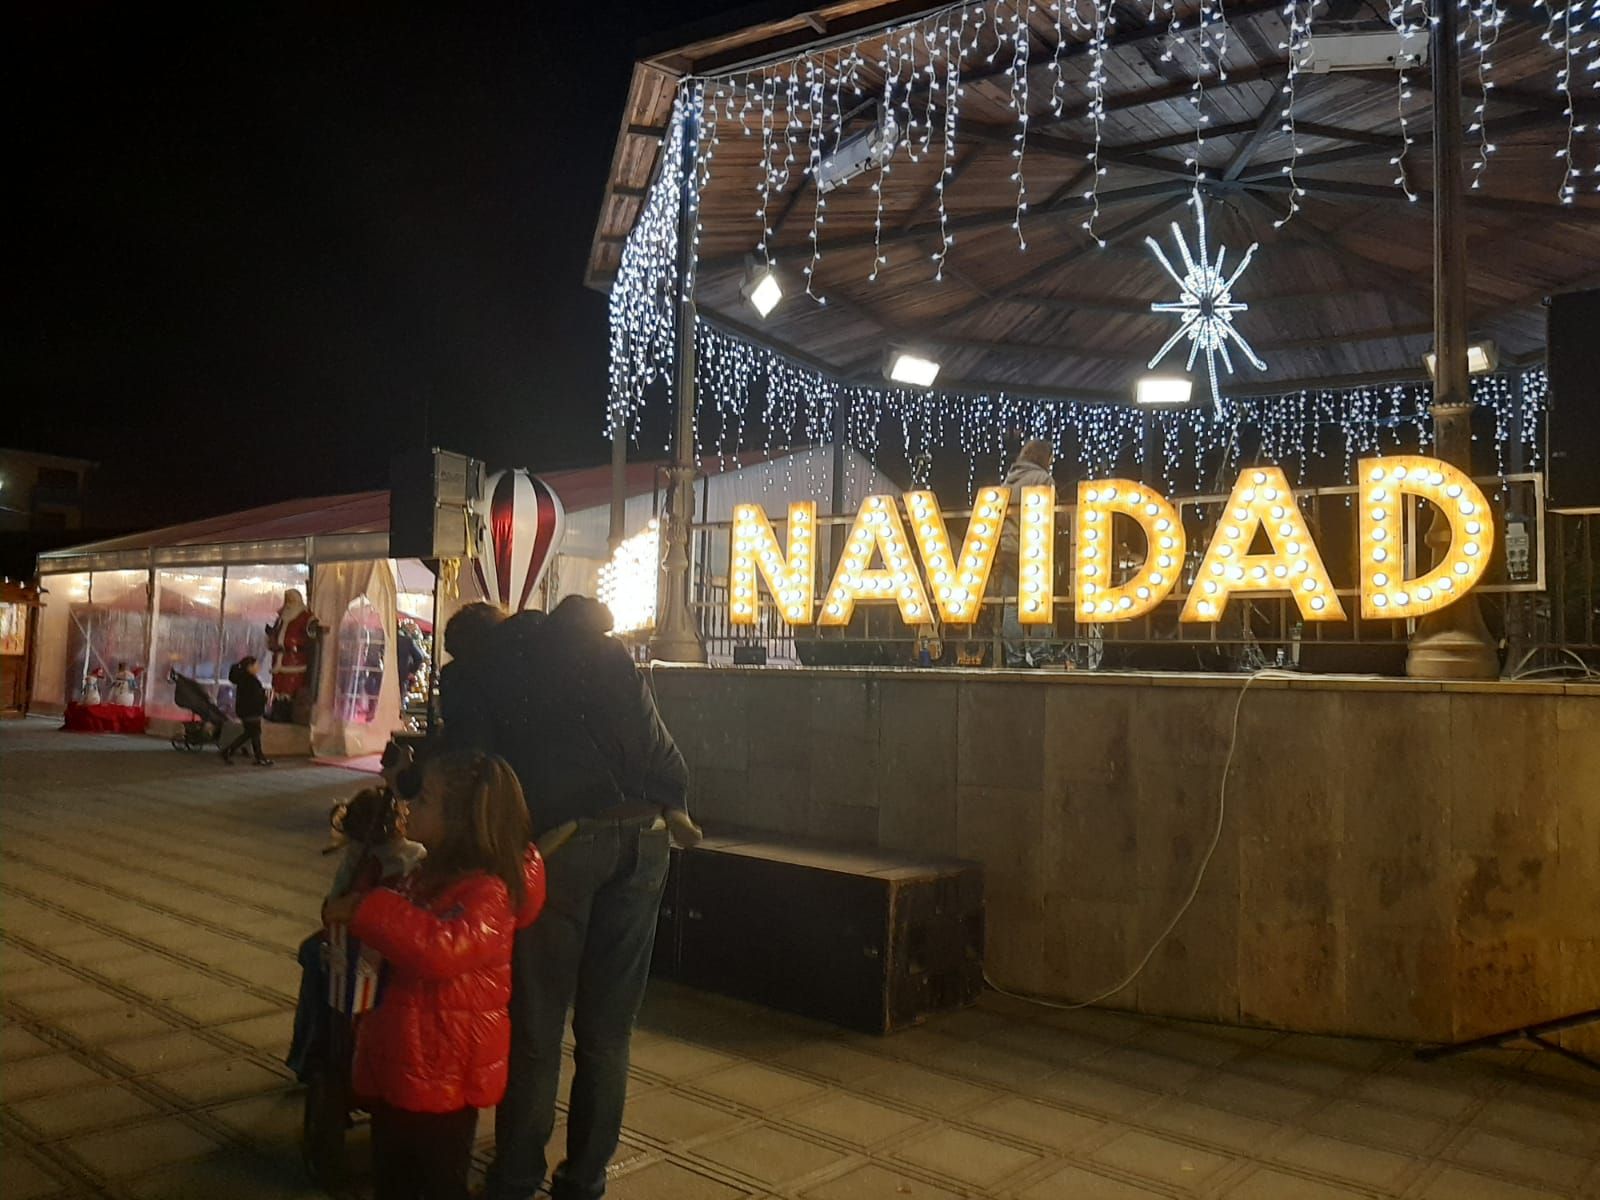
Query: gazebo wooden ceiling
[[1341, 294]]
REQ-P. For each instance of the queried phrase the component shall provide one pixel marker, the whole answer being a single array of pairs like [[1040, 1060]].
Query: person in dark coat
[[578, 723], [249, 705], [464, 680]]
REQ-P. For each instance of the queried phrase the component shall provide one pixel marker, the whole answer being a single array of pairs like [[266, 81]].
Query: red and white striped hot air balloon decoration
[[520, 526]]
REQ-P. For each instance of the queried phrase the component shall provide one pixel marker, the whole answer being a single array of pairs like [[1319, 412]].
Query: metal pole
[[1452, 643], [841, 464], [619, 486], [676, 639]]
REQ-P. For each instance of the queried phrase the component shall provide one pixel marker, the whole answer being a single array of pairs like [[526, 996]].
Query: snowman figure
[[122, 687], [91, 686]]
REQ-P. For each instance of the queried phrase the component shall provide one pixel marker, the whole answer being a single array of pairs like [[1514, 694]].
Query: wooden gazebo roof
[[1342, 293]]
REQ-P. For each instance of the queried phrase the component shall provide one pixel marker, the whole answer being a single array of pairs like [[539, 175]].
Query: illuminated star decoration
[[1206, 304]]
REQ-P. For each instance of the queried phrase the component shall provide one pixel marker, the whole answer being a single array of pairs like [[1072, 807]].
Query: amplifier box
[[860, 938]]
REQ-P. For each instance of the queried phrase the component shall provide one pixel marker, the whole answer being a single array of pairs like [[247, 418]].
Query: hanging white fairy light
[[815, 110], [1205, 305], [1400, 18], [953, 52], [1018, 70], [1486, 22], [1097, 113], [1299, 39], [755, 398], [1561, 15]]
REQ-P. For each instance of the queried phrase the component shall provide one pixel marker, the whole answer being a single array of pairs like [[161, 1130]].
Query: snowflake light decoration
[[1205, 303]]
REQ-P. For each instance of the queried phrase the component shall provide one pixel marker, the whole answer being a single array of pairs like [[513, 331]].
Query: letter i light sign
[[1260, 511]]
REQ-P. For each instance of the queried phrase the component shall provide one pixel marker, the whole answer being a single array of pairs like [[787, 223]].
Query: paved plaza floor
[[151, 903]]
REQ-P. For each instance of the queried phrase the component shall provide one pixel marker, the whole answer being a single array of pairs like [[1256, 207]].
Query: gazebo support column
[[1452, 643], [676, 638]]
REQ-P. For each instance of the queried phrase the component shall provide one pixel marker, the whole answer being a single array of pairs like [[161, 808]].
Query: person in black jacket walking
[[578, 723], [250, 704]]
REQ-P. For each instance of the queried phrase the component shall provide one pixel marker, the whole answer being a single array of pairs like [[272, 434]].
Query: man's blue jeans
[[589, 951]]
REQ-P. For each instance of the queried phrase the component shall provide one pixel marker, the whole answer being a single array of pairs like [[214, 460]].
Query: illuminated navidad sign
[[951, 580]]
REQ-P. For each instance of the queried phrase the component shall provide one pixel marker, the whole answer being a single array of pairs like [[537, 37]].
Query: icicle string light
[[643, 305], [1400, 17], [753, 399], [1097, 114], [1486, 21], [1021, 46], [1299, 40]]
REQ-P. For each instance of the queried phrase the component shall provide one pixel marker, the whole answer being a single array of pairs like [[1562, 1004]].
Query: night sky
[[264, 247]]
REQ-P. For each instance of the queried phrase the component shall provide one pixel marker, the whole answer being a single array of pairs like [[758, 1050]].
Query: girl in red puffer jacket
[[434, 1050]]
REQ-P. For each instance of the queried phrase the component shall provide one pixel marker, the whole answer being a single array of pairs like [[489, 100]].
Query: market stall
[[194, 599]]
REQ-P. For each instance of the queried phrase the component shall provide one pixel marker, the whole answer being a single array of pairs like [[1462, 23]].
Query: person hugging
[[434, 1051]]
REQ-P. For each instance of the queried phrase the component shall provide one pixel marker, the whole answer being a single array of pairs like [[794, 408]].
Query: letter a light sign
[[1261, 544]]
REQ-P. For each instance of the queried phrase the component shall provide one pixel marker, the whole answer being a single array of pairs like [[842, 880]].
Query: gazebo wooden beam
[[1059, 206], [1553, 211], [1502, 127], [1058, 262], [1266, 124]]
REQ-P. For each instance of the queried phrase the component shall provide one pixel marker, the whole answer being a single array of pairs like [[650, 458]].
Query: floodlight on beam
[[1482, 358], [910, 368], [1163, 391], [761, 287]]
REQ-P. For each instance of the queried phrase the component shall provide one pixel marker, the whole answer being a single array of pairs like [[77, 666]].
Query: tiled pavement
[[150, 904]]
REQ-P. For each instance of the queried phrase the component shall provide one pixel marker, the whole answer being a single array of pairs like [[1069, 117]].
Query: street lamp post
[[676, 638], [1452, 643]]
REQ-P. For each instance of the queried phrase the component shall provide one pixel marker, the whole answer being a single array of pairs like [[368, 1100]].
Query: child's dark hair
[[485, 818], [245, 663], [369, 817]]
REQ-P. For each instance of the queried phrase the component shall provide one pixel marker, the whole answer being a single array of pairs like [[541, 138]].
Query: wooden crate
[[864, 939]]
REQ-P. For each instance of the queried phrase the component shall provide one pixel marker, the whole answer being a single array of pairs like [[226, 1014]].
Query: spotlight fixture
[[761, 287], [1482, 358], [908, 367], [1162, 390], [859, 152]]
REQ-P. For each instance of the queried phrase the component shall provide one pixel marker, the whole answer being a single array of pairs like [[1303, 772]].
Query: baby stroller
[[206, 727]]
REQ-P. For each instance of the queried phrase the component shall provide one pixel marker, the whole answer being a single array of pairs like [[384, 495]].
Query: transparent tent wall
[[112, 630], [186, 637], [208, 619], [53, 683]]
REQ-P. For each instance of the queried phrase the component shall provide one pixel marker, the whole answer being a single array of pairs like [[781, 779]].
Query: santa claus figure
[[292, 638]]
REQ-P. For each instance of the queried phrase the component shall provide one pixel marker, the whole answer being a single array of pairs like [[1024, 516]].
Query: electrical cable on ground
[[1194, 888]]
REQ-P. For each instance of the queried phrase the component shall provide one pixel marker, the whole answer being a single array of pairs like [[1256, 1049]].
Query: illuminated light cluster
[[790, 577], [1036, 556], [1384, 482], [877, 529], [1097, 595], [959, 579], [1261, 500], [627, 584]]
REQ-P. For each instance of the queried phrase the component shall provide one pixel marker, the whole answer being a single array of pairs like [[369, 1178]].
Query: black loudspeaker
[[430, 492], [862, 938], [1572, 428]]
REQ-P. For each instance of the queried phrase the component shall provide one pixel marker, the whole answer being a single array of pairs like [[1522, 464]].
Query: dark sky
[[258, 243]]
